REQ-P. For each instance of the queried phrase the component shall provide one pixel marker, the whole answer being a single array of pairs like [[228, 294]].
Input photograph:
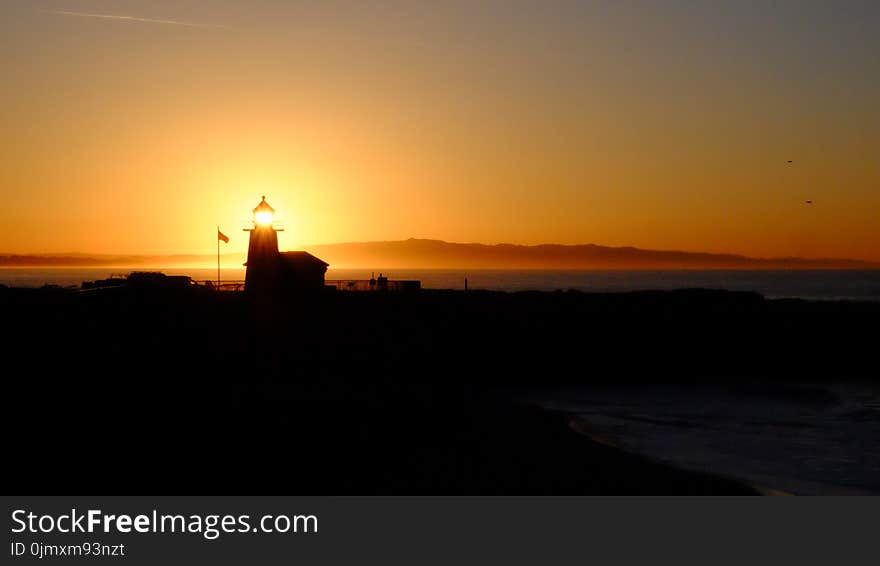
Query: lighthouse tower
[[263, 258], [273, 274]]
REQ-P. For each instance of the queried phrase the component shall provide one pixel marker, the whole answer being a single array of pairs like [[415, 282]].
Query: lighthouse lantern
[[263, 213]]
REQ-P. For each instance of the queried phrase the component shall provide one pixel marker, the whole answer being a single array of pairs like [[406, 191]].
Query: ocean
[[805, 439], [805, 284]]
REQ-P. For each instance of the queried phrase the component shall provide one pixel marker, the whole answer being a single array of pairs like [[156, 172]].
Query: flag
[[222, 236]]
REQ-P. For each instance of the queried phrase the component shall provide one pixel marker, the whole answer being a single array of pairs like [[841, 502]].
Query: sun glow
[[528, 132]]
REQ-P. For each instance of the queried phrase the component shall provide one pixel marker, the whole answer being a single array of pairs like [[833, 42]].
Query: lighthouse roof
[[264, 206], [302, 258]]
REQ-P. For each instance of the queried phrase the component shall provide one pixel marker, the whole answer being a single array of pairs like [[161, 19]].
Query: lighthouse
[[270, 272], [262, 259]]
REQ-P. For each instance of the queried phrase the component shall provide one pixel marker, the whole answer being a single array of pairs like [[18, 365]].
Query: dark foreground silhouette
[[367, 393]]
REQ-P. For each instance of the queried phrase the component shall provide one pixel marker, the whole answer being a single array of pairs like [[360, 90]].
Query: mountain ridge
[[422, 253]]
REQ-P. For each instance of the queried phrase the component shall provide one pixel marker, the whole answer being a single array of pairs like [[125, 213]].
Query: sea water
[[807, 438], [807, 284]]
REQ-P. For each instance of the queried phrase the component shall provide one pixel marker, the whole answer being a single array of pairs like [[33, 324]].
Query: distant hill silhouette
[[426, 254], [418, 253]]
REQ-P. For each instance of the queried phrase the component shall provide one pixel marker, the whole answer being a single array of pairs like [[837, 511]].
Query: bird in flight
[[809, 202], [789, 161]]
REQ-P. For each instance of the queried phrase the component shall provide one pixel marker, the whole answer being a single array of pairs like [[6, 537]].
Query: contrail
[[133, 19]]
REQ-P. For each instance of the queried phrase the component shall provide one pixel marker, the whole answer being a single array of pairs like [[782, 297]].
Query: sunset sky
[[136, 126]]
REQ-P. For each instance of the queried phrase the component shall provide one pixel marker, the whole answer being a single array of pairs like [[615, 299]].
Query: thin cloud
[[132, 19]]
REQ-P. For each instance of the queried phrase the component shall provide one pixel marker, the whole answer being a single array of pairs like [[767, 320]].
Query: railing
[[233, 286], [374, 285]]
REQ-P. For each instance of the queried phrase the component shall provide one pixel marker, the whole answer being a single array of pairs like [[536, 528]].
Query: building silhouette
[[270, 271]]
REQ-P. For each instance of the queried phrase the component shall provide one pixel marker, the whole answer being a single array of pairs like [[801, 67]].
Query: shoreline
[[781, 433], [583, 426]]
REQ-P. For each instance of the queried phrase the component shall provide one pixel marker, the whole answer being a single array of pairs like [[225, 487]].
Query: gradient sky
[[659, 124]]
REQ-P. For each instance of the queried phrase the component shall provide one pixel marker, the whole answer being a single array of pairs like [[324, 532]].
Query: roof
[[264, 206], [302, 257]]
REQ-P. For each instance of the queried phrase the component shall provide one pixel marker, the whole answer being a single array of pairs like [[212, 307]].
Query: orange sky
[[656, 124]]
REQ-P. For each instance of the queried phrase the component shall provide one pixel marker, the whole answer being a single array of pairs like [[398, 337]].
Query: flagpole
[[218, 258]]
